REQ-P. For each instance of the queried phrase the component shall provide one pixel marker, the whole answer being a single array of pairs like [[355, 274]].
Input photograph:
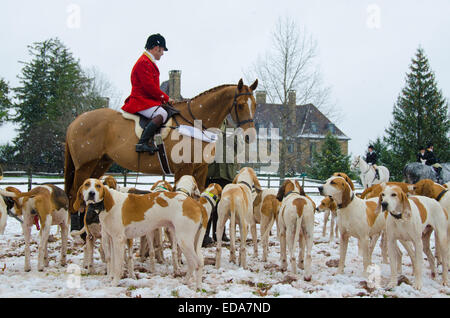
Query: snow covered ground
[[230, 281]]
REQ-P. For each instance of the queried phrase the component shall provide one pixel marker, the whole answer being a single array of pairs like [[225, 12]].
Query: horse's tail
[[69, 173]]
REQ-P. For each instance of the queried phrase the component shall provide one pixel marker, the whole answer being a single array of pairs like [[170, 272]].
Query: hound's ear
[[406, 206], [350, 182], [257, 200], [378, 208], [108, 200], [240, 85], [333, 206], [445, 185], [281, 190], [300, 189], [428, 189], [235, 179], [219, 190], [79, 204], [346, 195], [114, 183], [254, 85], [256, 183]]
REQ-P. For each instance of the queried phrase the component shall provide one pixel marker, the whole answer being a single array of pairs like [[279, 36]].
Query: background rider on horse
[[371, 159], [432, 161], [146, 96]]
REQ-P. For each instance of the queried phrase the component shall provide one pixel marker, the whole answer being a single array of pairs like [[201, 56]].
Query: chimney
[[260, 97], [292, 103], [175, 85]]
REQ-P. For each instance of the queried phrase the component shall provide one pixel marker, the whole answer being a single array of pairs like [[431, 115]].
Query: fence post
[[268, 181], [30, 178], [124, 178]]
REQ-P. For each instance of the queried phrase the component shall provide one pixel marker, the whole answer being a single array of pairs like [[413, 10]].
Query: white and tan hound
[[295, 221], [47, 205], [357, 218], [265, 212], [328, 206], [127, 216], [237, 203], [3, 215], [413, 219], [158, 186]]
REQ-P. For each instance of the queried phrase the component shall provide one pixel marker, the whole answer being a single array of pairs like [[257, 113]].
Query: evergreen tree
[[53, 91], [5, 102], [329, 160], [420, 116]]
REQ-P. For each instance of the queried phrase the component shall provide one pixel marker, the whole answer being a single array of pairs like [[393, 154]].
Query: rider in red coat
[[146, 96]]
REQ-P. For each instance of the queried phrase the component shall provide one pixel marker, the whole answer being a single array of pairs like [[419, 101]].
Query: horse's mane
[[211, 90]]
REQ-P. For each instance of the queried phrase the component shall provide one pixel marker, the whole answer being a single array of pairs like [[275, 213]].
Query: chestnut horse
[[97, 138]]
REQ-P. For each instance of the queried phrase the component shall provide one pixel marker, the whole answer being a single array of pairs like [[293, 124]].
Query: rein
[[233, 105]]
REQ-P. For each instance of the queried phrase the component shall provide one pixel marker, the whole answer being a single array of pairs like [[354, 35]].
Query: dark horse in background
[[416, 171], [96, 139]]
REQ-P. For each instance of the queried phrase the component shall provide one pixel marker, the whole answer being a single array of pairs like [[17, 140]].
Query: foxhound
[[357, 218], [346, 177], [295, 220], [3, 215], [47, 205], [327, 205], [126, 216], [431, 189], [187, 186], [375, 190], [413, 219], [237, 202], [265, 212], [158, 186]]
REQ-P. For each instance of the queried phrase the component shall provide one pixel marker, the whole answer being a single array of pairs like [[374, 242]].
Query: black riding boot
[[377, 175], [149, 131]]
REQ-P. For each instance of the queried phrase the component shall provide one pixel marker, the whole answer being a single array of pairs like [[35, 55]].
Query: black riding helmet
[[156, 40]]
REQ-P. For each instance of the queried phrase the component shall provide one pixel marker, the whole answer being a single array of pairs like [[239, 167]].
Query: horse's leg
[[102, 166], [200, 174], [81, 174]]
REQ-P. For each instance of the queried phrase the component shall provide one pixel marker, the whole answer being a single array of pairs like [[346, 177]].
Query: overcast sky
[[365, 47]]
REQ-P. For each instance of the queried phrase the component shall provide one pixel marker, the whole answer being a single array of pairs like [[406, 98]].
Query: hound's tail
[[77, 233], [8, 194]]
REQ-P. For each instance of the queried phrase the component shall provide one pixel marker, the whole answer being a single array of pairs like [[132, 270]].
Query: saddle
[[142, 121], [160, 135]]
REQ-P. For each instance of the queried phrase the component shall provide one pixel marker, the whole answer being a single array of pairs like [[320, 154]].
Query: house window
[[332, 128], [290, 147], [312, 149], [314, 127]]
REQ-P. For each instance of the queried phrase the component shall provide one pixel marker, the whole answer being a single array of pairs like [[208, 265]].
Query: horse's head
[[243, 110], [355, 163]]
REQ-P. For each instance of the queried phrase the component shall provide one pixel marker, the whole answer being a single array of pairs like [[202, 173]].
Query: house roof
[[310, 122]]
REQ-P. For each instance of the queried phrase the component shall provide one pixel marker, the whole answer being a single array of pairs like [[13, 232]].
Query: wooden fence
[[131, 179]]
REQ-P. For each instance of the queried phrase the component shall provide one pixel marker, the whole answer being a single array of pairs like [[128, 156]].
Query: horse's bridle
[[234, 105]]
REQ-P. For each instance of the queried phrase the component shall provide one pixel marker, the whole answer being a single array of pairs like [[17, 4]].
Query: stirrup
[[151, 149]]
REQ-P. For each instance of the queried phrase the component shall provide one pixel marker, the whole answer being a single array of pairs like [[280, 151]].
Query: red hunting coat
[[145, 91]]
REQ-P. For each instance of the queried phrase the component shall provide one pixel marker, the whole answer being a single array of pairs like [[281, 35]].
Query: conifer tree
[[420, 116], [53, 91], [329, 160], [5, 102]]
